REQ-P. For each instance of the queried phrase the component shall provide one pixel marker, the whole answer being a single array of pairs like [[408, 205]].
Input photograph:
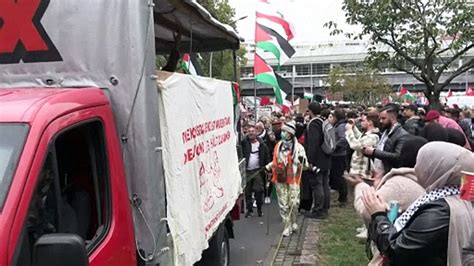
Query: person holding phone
[[400, 185], [437, 228], [361, 165]]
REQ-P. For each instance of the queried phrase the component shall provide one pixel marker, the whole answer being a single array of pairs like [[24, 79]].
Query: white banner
[[200, 159]]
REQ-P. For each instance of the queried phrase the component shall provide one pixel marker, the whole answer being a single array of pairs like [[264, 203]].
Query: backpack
[[329, 143]]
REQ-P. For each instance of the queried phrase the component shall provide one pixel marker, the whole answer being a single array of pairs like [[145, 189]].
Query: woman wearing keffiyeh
[[289, 159], [437, 229]]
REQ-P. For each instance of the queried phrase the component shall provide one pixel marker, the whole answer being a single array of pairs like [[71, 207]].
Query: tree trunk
[[432, 93]]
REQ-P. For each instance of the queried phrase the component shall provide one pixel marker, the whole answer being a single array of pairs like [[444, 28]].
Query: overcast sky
[[307, 17]]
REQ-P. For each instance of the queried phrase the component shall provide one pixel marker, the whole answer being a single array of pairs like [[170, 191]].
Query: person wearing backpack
[[318, 146], [338, 157]]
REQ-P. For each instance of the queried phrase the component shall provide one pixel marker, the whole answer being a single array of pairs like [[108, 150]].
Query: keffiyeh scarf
[[434, 195]]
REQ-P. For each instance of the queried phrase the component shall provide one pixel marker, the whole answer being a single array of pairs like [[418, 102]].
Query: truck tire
[[218, 253]]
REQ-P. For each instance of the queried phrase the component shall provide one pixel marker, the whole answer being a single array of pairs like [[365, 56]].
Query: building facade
[[309, 68]]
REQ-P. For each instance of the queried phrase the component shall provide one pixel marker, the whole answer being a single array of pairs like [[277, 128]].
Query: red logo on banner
[[22, 37], [467, 186]]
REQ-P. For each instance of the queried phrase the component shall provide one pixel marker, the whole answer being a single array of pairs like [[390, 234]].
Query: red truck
[[87, 168]]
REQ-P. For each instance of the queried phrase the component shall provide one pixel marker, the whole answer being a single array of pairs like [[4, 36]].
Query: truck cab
[[82, 172], [67, 181]]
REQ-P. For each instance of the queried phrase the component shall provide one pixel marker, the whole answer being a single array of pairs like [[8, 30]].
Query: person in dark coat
[[437, 228], [256, 155], [319, 161], [338, 157], [410, 150], [434, 132], [387, 153], [413, 123], [455, 137]]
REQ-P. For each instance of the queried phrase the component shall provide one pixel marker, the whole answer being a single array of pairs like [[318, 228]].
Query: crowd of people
[[402, 155]]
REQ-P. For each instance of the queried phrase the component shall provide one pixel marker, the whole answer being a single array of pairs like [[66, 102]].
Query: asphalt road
[[252, 243]]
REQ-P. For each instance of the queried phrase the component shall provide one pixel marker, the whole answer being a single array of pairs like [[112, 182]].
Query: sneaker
[[361, 229], [260, 213], [316, 215], [287, 231], [254, 204], [294, 226], [362, 235], [267, 200], [248, 214]]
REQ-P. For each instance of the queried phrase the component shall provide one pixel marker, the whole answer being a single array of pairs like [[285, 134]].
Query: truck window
[[72, 192], [12, 138]]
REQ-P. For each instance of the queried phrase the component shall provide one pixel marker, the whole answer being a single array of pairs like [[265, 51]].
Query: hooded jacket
[[399, 184]]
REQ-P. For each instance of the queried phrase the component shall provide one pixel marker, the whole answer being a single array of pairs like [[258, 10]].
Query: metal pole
[[255, 98], [293, 85], [311, 67], [210, 65], [234, 55], [467, 82]]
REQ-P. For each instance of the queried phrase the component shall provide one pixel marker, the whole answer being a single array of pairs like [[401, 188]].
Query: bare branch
[[401, 52], [415, 75], [465, 67], [452, 59]]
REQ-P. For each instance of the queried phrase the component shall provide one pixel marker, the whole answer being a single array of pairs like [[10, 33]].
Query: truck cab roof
[[24, 105]]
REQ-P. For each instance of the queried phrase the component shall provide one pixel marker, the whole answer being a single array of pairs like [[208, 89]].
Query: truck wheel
[[218, 253]]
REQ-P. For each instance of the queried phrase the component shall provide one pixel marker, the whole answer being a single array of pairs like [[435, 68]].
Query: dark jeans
[[321, 194], [256, 186], [338, 165], [268, 191]]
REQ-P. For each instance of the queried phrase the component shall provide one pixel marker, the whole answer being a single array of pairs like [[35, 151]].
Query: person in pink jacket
[[446, 122]]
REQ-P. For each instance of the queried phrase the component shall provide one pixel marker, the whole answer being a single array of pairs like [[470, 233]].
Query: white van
[[461, 101]]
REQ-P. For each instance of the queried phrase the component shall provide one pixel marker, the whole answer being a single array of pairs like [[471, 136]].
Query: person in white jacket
[[360, 165], [289, 160]]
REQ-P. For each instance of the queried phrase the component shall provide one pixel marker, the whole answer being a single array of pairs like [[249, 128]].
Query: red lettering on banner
[[22, 37]]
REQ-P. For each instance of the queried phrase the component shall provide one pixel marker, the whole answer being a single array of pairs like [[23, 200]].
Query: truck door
[[73, 192]]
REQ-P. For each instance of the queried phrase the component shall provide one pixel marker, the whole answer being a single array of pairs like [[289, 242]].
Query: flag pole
[[255, 97], [293, 85]]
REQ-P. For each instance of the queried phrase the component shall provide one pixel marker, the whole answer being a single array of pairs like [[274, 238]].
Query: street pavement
[[253, 246], [252, 243]]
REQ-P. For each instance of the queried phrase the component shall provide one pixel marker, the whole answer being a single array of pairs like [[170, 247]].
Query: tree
[[360, 85], [424, 38], [222, 62]]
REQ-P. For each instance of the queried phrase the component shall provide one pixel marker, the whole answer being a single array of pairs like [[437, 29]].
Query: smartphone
[[392, 213]]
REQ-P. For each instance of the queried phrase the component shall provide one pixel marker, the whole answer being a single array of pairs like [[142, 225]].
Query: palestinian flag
[[450, 93], [409, 97], [272, 35], [265, 100], [268, 41], [268, 16], [403, 91], [470, 91], [264, 74], [308, 96], [189, 65]]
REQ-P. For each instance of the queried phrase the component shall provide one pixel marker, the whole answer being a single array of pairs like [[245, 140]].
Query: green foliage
[[424, 38], [361, 85], [222, 62]]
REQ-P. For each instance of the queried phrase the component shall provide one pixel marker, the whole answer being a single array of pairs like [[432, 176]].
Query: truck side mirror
[[60, 249]]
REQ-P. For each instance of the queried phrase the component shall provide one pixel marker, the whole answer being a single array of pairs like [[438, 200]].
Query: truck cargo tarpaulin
[[199, 158]]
